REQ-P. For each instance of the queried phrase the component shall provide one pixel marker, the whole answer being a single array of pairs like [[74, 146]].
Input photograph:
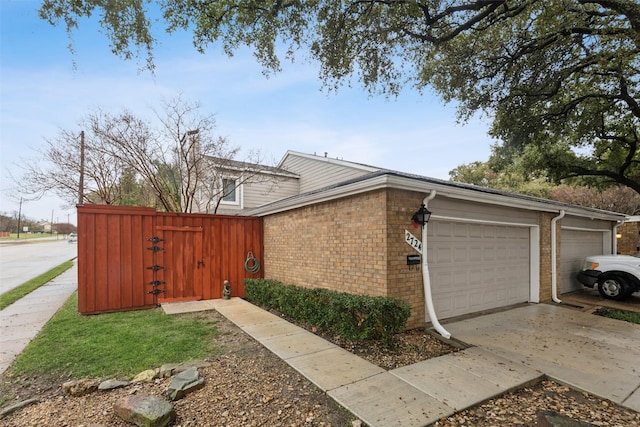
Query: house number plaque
[[413, 241]]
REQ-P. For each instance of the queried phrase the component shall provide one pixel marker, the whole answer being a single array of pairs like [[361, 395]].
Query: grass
[[9, 297], [116, 345], [28, 236], [627, 316]]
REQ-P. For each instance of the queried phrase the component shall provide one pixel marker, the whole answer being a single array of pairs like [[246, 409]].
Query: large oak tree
[[559, 76]]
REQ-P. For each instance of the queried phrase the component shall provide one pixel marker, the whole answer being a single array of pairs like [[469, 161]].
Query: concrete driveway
[[588, 352], [590, 299]]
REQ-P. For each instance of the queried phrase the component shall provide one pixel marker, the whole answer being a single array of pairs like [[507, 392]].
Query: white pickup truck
[[617, 276]]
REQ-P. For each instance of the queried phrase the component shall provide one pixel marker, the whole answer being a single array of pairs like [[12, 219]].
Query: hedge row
[[356, 317]]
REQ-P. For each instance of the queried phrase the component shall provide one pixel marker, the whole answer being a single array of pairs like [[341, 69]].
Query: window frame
[[236, 192]]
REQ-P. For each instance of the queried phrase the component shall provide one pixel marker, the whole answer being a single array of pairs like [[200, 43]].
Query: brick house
[[343, 227], [628, 236]]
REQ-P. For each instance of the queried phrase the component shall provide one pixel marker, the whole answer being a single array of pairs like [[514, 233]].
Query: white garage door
[[574, 246], [477, 267]]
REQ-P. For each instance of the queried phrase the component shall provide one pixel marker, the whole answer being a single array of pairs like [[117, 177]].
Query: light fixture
[[421, 217]]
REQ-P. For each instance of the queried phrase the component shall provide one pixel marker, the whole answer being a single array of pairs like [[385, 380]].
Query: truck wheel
[[613, 287]]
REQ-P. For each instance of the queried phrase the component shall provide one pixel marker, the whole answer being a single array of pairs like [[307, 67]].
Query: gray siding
[[318, 172], [274, 188], [261, 190], [452, 208]]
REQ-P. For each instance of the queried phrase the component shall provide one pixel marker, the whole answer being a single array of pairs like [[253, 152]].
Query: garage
[[575, 245], [478, 266], [486, 249]]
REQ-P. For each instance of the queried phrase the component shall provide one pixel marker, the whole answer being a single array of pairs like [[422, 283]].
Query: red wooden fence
[[195, 255]]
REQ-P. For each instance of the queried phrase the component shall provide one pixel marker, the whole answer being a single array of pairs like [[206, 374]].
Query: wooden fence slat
[[114, 256]]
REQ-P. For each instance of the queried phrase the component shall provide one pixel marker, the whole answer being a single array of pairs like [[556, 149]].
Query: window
[[230, 188]]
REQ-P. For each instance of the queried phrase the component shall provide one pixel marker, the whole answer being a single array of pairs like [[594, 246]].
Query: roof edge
[[388, 179]]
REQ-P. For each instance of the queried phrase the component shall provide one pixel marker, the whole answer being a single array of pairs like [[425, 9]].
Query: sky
[[45, 88]]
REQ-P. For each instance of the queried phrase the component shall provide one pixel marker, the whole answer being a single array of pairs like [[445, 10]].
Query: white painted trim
[[568, 227], [483, 221], [237, 191], [344, 163], [534, 269]]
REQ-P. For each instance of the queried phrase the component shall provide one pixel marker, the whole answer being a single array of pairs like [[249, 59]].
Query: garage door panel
[[575, 245], [460, 230], [460, 254], [484, 268]]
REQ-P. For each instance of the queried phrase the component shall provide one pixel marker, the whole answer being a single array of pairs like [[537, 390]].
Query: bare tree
[[56, 169], [131, 141], [180, 161], [194, 146]]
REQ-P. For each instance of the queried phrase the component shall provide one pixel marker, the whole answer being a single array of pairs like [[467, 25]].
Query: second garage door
[[477, 267], [575, 245]]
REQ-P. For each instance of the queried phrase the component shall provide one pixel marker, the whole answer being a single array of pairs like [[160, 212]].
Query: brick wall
[[356, 245], [545, 254], [629, 240], [339, 245], [361, 249], [404, 282]]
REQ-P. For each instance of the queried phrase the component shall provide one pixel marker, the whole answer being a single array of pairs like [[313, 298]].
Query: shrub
[[356, 317]]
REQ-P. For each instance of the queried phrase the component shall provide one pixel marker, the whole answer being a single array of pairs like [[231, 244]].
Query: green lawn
[[627, 316], [29, 236], [114, 345]]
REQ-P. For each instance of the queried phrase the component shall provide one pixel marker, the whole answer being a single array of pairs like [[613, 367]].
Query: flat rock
[[18, 405], [80, 387], [184, 383], [553, 419], [145, 411], [112, 384], [169, 369], [145, 376]]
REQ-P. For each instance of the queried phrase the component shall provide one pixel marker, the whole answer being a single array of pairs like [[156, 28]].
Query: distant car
[[617, 276], [73, 237]]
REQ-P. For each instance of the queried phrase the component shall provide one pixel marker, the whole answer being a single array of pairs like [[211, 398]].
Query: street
[[24, 260]]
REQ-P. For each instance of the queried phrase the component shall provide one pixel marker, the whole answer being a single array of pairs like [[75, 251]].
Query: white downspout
[[554, 261], [428, 298]]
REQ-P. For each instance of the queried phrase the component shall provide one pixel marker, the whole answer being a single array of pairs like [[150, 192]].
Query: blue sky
[[41, 92]]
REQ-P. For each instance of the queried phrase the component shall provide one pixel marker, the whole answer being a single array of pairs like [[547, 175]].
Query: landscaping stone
[[19, 405], [553, 419], [145, 411], [80, 387], [184, 383], [112, 384], [169, 369], [145, 376]]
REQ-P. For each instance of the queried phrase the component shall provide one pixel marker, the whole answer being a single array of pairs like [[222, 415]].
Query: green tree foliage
[[560, 76], [512, 177]]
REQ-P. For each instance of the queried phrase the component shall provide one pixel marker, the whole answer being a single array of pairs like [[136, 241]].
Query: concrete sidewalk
[[415, 395], [21, 321], [513, 348]]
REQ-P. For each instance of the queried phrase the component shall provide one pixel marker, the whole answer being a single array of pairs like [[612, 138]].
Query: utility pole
[[81, 184], [19, 215]]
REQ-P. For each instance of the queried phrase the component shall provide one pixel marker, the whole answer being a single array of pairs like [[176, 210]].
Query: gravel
[[246, 385]]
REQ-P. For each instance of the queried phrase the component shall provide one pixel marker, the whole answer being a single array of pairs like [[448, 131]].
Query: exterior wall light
[[421, 217]]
